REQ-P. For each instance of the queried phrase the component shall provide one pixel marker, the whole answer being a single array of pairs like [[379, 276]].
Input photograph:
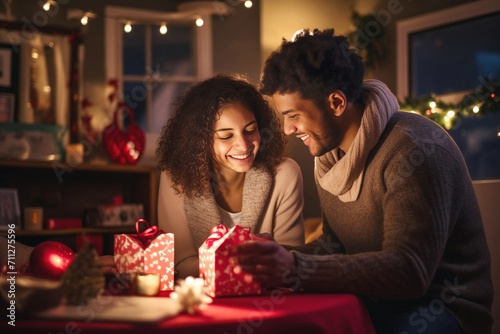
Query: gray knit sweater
[[414, 236]]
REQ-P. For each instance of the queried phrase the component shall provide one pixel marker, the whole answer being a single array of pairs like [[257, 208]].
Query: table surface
[[276, 312]]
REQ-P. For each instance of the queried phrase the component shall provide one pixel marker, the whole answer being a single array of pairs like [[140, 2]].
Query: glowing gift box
[[215, 269], [147, 252]]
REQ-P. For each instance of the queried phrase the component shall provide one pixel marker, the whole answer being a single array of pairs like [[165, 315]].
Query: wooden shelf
[[65, 191], [82, 167], [88, 230]]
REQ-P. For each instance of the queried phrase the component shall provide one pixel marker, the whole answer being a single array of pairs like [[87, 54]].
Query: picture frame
[[7, 104], [5, 67], [9, 208]]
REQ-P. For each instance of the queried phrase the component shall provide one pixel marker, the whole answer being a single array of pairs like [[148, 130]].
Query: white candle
[[147, 284]]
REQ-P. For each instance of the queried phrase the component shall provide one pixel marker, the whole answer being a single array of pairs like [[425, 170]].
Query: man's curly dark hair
[[314, 64], [185, 146]]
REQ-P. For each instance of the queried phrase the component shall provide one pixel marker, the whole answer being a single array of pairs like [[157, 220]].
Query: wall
[[237, 46]]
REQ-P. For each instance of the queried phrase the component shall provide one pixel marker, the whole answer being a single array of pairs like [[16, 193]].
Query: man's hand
[[265, 260]]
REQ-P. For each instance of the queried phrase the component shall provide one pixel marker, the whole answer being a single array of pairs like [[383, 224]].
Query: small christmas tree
[[84, 278]]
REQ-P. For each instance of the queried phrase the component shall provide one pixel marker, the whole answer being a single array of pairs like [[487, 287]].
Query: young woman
[[221, 157]]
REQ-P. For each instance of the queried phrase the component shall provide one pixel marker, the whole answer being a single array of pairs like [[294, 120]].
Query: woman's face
[[236, 139]]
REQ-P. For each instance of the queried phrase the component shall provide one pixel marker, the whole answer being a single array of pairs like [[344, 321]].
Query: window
[[443, 50], [151, 69], [449, 54], [156, 69]]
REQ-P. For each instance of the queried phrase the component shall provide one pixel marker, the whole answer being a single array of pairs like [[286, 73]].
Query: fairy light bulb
[[248, 4], [432, 104], [199, 22], [450, 113], [475, 110], [163, 28], [128, 27], [46, 6], [84, 20]]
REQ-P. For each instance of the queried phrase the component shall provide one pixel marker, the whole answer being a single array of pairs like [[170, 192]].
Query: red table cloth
[[277, 312]]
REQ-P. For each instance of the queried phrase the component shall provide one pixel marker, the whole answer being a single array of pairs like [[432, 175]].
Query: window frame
[[116, 16]]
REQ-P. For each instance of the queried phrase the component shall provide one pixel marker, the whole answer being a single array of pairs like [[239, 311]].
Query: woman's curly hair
[[314, 64], [185, 146]]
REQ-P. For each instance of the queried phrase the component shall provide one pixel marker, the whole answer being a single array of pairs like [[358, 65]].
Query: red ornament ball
[[50, 259]]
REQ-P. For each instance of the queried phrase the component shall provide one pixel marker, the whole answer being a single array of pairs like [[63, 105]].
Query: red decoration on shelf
[[50, 259], [124, 146]]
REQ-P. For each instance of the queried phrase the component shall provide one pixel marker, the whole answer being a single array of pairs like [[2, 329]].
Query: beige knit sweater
[[270, 205]]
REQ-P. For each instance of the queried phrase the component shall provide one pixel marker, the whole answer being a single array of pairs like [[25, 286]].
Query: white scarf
[[343, 177]]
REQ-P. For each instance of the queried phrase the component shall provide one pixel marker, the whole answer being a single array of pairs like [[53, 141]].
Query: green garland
[[480, 102]]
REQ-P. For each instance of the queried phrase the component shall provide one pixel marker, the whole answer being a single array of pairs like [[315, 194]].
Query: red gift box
[[215, 269], [149, 252], [62, 223]]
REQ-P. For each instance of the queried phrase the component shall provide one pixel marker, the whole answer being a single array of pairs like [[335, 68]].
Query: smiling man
[[401, 223]]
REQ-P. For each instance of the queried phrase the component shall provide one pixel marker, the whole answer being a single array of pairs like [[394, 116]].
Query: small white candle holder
[[147, 284]]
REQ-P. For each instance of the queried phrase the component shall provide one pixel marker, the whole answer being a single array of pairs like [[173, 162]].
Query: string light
[[248, 4], [163, 28], [34, 54], [128, 27], [47, 4], [483, 100], [83, 16], [84, 20]]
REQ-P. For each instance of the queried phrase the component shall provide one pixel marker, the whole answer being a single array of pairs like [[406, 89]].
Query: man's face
[[316, 128]]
